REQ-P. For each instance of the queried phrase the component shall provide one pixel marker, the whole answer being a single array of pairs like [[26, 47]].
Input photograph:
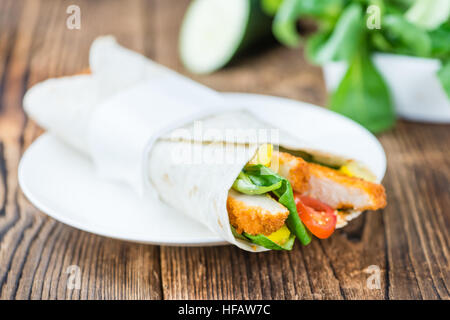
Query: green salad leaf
[[265, 242], [444, 76], [402, 4], [263, 176], [270, 7], [428, 14], [341, 43], [285, 22], [380, 42], [236, 234], [245, 185], [363, 95], [440, 42], [407, 37]]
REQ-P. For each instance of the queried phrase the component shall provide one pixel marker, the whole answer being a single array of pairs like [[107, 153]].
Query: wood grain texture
[[408, 241]]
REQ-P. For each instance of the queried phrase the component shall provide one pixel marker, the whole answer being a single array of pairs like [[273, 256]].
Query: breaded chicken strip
[[330, 186], [255, 214], [294, 169], [343, 192]]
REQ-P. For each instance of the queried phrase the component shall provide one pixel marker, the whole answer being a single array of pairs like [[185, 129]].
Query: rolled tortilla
[[134, 129], [137, 121]]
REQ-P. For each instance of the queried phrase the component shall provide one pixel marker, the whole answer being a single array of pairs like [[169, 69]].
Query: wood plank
[[416, 224]]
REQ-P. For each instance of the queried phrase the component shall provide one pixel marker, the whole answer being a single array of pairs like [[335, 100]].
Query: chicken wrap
[[168, 137]]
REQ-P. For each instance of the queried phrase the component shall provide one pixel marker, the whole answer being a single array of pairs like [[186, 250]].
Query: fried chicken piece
[[330, 186], [255, 214], [343, 192], [294, 169]]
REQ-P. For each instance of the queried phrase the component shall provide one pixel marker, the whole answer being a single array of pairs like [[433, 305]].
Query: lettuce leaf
[[263, 177], [285, 22], [341, 43], [245, 185], [444, 77], [407, 37], [427, 14], [363, 95], [265, 242]]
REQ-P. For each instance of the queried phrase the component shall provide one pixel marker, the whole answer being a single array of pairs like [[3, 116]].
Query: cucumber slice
[[214, 31]]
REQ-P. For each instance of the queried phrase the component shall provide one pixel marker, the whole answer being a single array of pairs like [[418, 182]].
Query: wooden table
[[408, 241]]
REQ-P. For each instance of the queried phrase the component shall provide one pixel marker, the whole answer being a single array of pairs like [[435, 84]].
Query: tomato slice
[[317, 216]]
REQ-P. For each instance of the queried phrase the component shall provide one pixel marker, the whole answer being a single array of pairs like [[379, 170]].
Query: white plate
[[62, 183]]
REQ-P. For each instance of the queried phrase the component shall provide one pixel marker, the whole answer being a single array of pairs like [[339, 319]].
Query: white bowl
[[416, 91]]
